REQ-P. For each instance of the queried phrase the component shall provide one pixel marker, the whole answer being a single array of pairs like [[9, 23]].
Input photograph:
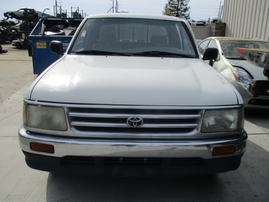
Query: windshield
[[134, 37], [229, 47]]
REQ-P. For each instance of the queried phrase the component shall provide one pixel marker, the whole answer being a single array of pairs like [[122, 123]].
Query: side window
[[158, 35], [202, 46], [108, 33], [212, 44], [133, 33], [80, 38]]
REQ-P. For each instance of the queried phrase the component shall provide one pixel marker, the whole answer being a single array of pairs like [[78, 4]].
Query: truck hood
[[132, 81]]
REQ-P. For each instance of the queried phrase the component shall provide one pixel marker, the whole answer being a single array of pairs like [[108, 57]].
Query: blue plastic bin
[[39, 48]]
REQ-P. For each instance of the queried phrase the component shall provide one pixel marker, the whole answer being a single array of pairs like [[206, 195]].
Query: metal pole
[[117, 6], [55, 14]]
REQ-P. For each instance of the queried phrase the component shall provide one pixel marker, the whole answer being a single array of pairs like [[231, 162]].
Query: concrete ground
[[20, 183]]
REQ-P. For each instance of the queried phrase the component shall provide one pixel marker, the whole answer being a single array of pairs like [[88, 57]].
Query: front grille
[[153, 121]]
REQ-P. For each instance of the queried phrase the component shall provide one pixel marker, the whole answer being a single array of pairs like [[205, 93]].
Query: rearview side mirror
[[211, 54], [56, 47]]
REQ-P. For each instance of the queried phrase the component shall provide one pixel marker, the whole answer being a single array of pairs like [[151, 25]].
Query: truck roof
[[136, 15]]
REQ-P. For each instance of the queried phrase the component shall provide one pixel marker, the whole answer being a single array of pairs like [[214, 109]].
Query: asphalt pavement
[[250, 182]]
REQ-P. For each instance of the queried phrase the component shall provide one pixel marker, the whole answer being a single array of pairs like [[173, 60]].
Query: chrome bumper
[[130, 148]]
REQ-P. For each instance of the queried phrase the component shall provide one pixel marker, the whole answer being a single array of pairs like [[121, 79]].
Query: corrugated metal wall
[[246, 18]]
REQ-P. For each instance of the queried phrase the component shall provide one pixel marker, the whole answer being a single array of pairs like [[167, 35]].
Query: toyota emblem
[[134, 121]]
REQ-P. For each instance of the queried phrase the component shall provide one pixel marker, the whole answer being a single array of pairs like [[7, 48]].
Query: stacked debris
[[18, 33], [7, 31]]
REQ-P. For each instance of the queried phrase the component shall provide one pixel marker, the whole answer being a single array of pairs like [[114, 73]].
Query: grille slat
[[144, 116], [154, 121], [124, 125]]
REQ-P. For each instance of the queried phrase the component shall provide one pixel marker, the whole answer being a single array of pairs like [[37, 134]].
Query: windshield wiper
[[235, 58], [99, 52], [144, 53], [162, 54]]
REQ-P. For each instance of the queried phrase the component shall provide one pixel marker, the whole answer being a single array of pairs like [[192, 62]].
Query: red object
[[240, 51]]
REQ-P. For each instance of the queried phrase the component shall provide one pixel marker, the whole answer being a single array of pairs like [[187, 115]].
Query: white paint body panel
[[132, 81]]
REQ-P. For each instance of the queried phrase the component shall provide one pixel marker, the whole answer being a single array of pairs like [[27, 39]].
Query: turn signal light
[[218, 151], [40, 147]]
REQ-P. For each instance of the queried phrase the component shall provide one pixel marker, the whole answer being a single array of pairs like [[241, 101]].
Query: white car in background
[[247, 77], [192, 22]]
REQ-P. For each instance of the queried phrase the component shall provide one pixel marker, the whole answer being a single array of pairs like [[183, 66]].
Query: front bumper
[[131, 156]]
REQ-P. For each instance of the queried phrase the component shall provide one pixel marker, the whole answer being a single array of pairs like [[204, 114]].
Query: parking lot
[[20, 183]]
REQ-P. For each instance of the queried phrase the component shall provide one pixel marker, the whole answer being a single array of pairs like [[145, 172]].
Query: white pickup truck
[[132, 96]]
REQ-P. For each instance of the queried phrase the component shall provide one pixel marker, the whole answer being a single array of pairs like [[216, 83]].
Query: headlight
[[241, 75], [225, 120], [44, 117]]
